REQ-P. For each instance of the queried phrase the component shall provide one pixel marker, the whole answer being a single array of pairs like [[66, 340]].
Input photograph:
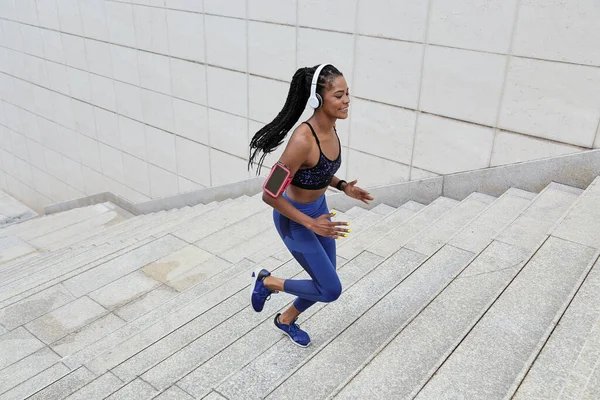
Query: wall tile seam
[[207, 127], [262, 122], [166, 22], [479, 124], [247, 18], [386, 159], [281, 80], [507, 64], [127, 83], [597, 136], [37, 18], [517, 56], [101, 172], [119, 115], [74, 188], [422, 73], [137, 59], [85, 45], [316, 29], [34, 188], [248, 133], [206, 64], [355, 36]]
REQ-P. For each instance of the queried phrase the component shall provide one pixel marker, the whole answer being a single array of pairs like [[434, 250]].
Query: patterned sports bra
[[319, 176]]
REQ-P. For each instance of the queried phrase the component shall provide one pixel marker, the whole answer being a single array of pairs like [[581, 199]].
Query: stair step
[[516, 326], [101, 275], [360, 223], [13, 247], [208, 371], [32, 284], [356, 212], [35, 306], [63, 387], [88, 258], [25, 369], [37, 382], [175, 393], [396, 238], [402, 365], [37, 227], [259, 378], [226, 324], [189, 305], [223, 217], [105, 219], [567, 365], [359, 243], [513, 327], [350, 349], [98, 389]]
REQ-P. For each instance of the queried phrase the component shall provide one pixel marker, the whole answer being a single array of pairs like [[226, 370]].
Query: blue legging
[[315, 253]]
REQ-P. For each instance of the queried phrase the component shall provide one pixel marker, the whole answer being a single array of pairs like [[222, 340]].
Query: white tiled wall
[[150, 98]]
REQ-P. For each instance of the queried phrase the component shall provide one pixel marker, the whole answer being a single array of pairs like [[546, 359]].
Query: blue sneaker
[[297, 335], [259, 293]]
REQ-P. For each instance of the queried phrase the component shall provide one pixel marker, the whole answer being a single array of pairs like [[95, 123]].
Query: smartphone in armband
[[278, 180]]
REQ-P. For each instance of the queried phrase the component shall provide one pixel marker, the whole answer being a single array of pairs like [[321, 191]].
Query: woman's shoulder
[[302, 135]]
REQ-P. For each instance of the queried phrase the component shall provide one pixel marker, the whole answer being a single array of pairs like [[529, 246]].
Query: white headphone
[[315, 100]]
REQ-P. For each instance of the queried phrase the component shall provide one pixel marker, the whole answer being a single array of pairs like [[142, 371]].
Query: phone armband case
[[278, 180]]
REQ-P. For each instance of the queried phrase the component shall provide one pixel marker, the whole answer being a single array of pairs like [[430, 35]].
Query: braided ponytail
[[271, 136]]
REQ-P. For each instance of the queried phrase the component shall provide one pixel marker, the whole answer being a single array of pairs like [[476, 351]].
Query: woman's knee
[[332, 292]]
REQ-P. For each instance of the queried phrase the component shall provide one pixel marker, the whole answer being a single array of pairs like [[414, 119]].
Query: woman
[[301, 216]]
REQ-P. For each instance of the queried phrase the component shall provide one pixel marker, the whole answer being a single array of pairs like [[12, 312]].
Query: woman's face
[[336, 99]]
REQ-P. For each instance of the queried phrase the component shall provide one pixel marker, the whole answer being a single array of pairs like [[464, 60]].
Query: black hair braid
[[271, 136]]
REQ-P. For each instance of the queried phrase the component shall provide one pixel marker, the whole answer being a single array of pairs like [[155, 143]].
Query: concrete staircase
[[484, 298]]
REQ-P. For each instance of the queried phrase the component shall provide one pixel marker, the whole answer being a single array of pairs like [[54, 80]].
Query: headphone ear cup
[[313, 102], [319, 99]]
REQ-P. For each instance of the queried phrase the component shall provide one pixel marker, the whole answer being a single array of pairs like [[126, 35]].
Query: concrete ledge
[[578, 170], [423, 191], [84, 202], [248, 187]]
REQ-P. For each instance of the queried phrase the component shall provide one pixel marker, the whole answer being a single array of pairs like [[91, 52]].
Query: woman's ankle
[[273, 283], [285, 320], [268, 282]]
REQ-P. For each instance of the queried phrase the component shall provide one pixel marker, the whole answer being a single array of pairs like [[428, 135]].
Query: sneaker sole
[[292, 340], [252, 284]]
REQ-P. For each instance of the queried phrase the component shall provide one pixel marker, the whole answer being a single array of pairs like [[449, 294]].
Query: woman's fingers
[[339, 223]]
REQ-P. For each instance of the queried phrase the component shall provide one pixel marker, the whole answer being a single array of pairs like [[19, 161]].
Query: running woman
[[301, 216]]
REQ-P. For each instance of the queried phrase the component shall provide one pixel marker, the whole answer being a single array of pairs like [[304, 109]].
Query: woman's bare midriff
[[304, 195]]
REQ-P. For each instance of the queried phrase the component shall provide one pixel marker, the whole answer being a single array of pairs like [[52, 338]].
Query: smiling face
[[336, 98]]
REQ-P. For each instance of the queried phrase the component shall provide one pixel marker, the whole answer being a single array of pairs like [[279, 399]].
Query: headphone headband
[[315, 79], [314, 99]]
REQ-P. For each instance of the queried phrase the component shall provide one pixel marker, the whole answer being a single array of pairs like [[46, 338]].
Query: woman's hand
[[323, 227], [357, 193]]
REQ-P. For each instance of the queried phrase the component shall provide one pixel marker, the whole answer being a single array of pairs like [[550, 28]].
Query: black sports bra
[[319, 176]]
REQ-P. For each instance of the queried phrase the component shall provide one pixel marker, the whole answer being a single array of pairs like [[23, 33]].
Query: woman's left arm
[[351, 190]]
